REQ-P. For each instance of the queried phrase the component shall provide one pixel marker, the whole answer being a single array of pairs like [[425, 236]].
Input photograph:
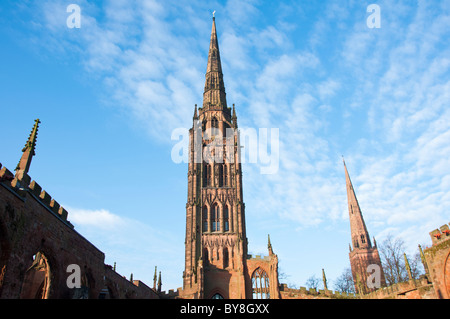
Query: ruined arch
[[37, 280], [260, 284], [447, 275]]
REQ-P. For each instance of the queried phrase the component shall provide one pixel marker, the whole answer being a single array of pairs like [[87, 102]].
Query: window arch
[[217, 296], [214, 122], [36, 283], [260, 284]]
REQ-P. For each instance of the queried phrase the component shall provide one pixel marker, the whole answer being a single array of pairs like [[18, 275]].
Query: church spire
[[28, 150], [359, 233], [214, 93]]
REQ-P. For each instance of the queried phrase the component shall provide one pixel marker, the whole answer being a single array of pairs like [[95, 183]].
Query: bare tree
[[312, 282], [344, 283], [392, 252]]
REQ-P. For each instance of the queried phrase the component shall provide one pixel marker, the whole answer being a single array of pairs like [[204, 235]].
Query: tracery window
[[260, 284]]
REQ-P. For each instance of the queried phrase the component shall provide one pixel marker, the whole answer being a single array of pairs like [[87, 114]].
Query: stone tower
[[364, 258], [216, 243]]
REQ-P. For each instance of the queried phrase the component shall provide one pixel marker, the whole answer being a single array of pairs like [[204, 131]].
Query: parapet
[[171, 294], [21, 183], [440, 235], [312, 293]]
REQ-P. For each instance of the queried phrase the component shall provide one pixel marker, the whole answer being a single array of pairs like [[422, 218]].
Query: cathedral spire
[[28, 150], [214, 94], [359, 233]]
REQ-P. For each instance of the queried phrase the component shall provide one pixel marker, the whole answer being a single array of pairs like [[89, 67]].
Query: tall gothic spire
[[359, 233], [214, 94], [28, 150]]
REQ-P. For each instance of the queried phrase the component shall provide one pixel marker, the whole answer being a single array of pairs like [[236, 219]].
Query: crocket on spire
[[28, 150]]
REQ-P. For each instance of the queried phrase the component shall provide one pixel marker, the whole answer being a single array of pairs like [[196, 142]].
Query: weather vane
[[214, 13]]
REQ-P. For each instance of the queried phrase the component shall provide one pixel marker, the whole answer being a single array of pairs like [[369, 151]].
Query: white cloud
[[100, 218]]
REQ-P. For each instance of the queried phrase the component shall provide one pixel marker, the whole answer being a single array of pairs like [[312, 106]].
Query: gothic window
[[217, 296], [260, 284], [206, 175], [214, 123], [226, 218], [204, 125], [205, 219], [36, 281], [363, 240], [215, 222]]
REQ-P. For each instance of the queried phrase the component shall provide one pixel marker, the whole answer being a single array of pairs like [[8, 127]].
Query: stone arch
[[37, 280], [218, 292], [447, 275], [260, 284]]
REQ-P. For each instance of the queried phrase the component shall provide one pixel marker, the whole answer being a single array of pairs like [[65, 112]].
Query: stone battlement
[[21, 184], [312, 293], [440, 235], [171, 294]]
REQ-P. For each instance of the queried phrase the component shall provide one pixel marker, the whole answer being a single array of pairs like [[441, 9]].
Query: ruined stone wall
[[437, 259], [38, 243]]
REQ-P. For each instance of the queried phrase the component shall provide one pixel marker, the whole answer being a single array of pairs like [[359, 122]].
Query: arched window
[[205, 219], [226, 218], [215, 222], [260, 284], [214, 123], [217, 296], [36, 282], [206, 175]]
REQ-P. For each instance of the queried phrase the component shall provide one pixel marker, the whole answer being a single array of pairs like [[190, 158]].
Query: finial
[[324, 278], [214, 12], [195, 113], [408, 267], [159, 282], [29, 149], [269, 245], [155, 279]]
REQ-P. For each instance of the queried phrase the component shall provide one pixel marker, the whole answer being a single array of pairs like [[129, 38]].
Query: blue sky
[[110, 93]]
